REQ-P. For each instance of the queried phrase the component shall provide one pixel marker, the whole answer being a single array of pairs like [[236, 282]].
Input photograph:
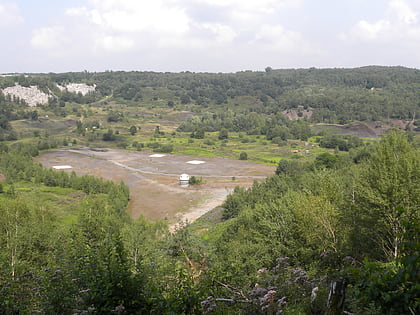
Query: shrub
[[166, 148], [195, 181]]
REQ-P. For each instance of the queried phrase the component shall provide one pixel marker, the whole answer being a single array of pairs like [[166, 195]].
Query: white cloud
[[225, 35], [9, 15], [130, 25], [266, 6], [399, 23], [277, 38], [47, 38], [115, 43], [92, 15], [133, 15], [365, 31], [403, 11]]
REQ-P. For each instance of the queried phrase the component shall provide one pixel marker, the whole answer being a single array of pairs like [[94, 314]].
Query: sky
[[206, 35]]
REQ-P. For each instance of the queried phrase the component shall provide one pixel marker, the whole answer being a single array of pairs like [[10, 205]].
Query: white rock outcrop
[[78, 88], [31, 95]]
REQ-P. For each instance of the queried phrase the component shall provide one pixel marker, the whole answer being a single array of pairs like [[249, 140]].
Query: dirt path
[[153, 181], [215, 199]]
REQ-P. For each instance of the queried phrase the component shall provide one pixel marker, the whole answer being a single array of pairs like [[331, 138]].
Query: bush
[[223, 134], [279, 141], [195, 181], [166, 148], [108, 136], [326, 160], [243, 156], [153, 145]]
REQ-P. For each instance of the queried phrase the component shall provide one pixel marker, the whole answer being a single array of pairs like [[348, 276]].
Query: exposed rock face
[[31, 95], [78, 88]]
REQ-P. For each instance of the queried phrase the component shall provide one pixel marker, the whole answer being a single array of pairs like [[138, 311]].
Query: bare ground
[[153, 181]]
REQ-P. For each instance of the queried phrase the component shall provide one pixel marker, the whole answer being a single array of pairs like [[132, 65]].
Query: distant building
[[184, 179]]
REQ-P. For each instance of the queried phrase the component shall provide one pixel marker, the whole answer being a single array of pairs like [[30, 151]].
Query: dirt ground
[[154, 181]]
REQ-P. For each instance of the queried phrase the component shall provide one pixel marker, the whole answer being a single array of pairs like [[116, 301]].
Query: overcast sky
[[206, 35]]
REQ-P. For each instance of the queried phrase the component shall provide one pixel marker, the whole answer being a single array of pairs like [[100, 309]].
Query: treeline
[[275, 127], [337, 95], [334, 95]]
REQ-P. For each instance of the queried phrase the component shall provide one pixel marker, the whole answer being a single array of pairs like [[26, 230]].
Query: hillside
[[255, 103]]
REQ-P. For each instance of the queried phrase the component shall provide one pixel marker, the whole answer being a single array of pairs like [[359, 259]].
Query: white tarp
[[196, 162], [62, 167]]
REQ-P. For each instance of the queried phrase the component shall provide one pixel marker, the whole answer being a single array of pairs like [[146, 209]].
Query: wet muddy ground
[[153, 179]]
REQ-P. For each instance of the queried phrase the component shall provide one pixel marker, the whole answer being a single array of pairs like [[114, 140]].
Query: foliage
[[133, 130], [343, 143], [163, 148], [109, 135], [392, 287], [223, 134], [388, 193], [282, 288], [290, 168], [115, 116], [195, 181], [243, 156], [326, 160]]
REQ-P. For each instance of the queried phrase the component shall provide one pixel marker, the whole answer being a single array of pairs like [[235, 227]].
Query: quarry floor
[[153, 179]]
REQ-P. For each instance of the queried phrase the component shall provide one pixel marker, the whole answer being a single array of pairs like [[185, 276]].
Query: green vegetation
[[340, 211]]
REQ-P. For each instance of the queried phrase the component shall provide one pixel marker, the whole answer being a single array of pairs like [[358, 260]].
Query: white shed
[[184, 179]]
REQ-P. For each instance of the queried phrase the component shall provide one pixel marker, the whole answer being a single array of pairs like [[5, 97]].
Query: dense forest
[[332, 232], [277, 104], [334, 94]]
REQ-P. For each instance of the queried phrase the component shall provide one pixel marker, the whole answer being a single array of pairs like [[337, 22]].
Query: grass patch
[[61, 202]]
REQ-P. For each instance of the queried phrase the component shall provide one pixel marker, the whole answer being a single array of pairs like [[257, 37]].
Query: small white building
[[184, 179]]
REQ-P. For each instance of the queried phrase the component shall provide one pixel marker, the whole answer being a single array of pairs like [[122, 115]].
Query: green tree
[[317, 222], [326, 160], [133, 130], [223, 134], [243, 155], [290, 168], [108, 136], [389, 193], [185, 99], [198, 133], [97, 256]]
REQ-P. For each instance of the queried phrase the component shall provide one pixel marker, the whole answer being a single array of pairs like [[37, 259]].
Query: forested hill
[[334, 95]]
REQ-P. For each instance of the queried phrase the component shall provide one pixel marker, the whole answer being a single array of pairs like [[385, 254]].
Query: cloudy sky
[[206, 35]]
